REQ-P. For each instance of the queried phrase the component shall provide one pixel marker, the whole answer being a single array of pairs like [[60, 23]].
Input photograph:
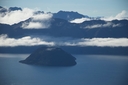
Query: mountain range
[[59, 25]]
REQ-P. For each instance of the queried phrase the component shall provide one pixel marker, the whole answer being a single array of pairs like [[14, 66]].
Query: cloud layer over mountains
[[34, 19], [120, 16], [24, 41], [108, 24], [52, 41], [12, 17], [16, 16], [39, 20]]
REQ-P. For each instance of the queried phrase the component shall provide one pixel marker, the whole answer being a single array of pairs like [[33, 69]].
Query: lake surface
[[90, 70]]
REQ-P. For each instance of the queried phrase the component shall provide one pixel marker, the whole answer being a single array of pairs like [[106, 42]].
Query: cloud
[[42, 17], [12, 17], [52, 41], [119, 16], [39, 21], [32, 25], [104, 42], [99, 42], [24, 41], [80, 20], [108, 24]]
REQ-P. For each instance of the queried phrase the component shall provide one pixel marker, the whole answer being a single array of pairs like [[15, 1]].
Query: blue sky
[[87, 7]]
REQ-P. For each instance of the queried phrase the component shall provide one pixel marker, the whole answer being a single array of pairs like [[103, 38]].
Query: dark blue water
[[90, 70]]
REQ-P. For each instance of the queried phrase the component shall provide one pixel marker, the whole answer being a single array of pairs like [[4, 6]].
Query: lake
[[90, 70]]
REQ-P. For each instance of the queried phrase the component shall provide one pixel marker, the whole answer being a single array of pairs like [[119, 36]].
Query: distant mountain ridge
[[60, 26], [2, 9], [15, 8], [63, 28], [69, 15]]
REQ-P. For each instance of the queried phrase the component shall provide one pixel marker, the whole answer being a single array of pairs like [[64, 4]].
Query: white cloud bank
[[32, 25], [24, 41], [103, 42], [51, 41], [16, 16], [108, 24], [120, 16], [39, 20], [80, 20]]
